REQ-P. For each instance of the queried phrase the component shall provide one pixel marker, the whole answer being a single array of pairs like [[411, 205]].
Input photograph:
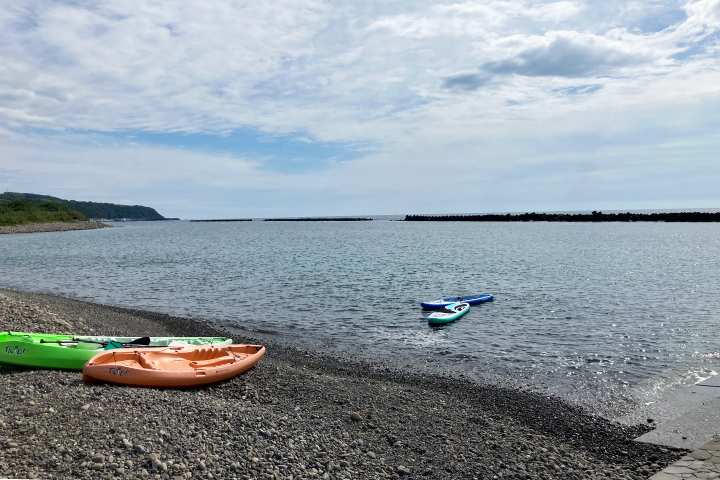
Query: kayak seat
[[146, 362], [213, 362], [205, 353]]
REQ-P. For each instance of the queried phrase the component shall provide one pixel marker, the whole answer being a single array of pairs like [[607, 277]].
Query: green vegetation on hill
[[95, 210], [17, 212]]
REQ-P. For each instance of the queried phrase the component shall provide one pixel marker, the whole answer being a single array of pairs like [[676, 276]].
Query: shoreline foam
[[289, 417]]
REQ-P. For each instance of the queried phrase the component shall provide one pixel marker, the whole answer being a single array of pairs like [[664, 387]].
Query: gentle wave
[[596, 313]]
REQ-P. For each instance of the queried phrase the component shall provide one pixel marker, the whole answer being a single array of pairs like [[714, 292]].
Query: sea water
[[601, 314]]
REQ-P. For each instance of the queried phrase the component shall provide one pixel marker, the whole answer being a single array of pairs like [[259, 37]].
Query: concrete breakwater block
[[713, 381], [689, 431]]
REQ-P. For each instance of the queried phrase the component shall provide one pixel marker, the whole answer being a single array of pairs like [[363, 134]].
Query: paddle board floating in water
[[449, 314], [444, 302], [171, 367], [71, 352]]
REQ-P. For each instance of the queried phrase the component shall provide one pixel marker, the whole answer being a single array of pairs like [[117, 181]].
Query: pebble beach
[[297, 414], [51, 227]]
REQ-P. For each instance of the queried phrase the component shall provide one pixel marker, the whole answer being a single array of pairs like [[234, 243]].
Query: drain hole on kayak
[[199, 372]]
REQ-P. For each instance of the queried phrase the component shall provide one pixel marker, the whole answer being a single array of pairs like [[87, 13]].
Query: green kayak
[[71, 352]]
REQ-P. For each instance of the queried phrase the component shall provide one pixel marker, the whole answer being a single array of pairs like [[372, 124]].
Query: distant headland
[[577, 217], [90, 210]]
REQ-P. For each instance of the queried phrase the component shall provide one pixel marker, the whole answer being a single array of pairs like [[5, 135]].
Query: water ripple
[[596, 313]]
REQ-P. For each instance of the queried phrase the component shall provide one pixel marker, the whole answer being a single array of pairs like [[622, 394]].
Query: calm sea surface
[[599, 314]]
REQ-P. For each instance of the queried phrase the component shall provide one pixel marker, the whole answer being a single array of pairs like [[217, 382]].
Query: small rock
[[139, 449], [156, 463], [98, 459], [403, 470], [12, 445], [371, 455], [127, 442], [344, 464], [346, 435], [355, 416], [653, 458], [202, 465], [129, 463], [85, 407], [152, 457], [97, 466], [120, 471], [31, 403]]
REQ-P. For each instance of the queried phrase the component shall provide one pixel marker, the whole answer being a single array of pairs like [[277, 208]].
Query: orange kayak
[[182, 366]]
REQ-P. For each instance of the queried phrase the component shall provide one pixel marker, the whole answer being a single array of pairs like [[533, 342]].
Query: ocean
[[604, 315]]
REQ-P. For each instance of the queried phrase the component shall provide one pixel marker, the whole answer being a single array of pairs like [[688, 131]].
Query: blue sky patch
[[277, 153], [661, 21], [579, 90], [697, 48]]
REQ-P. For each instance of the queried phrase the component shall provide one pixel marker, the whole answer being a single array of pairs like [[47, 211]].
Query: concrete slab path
[[703, 463]]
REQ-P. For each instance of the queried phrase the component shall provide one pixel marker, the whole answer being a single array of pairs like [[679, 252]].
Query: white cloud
[[556, 11], [472, 85], [571, 54], [704, 12]]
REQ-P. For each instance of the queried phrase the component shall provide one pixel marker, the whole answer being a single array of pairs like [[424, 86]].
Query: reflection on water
[[595, 313]]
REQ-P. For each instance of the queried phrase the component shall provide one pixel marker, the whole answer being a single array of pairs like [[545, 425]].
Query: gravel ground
[[51, 227], [295, 415]]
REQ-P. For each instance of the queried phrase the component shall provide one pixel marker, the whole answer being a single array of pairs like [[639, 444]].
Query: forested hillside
[[92, 210], [19, 212]]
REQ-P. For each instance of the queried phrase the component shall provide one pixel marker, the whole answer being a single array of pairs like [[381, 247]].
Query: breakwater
[[578, 217], [226, 220], [319, 219]]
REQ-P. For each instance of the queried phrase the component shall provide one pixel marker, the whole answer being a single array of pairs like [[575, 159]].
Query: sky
[[226, 109]]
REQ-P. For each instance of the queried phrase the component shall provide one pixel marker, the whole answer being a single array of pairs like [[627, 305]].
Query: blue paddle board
[[444, 302]]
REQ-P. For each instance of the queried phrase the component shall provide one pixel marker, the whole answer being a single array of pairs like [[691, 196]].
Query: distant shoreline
[[579, 217], [51, 227]]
